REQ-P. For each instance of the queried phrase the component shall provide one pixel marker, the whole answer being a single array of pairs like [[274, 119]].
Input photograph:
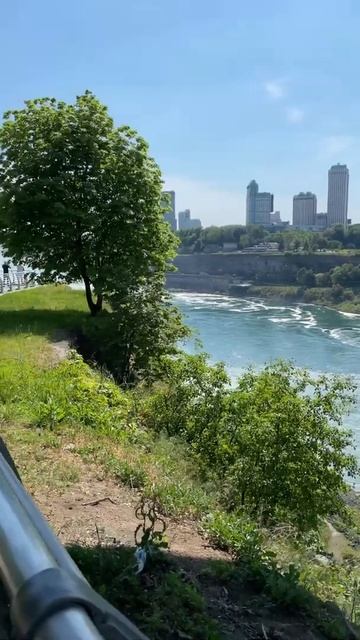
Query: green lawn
[[31, 319]]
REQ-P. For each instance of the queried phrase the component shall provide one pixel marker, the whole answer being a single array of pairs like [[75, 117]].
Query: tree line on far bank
[[214, 238]]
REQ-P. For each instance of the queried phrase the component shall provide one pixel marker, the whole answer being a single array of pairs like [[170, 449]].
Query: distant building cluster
[[260, 205], [185, 221], [305, 215]]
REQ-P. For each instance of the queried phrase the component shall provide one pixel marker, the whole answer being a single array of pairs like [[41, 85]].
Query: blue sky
[[223, 91]]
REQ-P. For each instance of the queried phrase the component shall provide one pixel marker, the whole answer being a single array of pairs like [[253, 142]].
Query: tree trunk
[[94, 307], [99, 302]]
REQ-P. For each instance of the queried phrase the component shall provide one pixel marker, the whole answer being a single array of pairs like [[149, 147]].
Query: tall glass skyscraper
[[338, 193]]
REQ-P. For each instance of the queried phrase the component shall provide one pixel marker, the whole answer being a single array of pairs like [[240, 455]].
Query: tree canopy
[[81, 198]]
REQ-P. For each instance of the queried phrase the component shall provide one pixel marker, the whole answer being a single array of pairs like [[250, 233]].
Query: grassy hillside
[[63, 421]]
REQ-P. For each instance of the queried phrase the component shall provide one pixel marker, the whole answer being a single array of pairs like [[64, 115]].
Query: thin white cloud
[[295, 115], [275, 89], [333, 145]]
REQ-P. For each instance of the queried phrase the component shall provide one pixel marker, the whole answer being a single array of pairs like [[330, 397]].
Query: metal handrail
[[50, 598]]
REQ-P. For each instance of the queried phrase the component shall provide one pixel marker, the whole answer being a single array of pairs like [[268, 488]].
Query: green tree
[[213, 235], [189, 399], [274, 444], [337, 293], [353, 236], [296, 244], [346, 274], [306, 277], [81, 199], [286, 453], [131, 339], [323, 279]]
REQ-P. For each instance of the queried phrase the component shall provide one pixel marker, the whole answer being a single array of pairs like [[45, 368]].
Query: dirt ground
[[97, 510]]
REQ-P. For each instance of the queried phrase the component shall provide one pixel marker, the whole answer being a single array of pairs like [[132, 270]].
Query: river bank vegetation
[[339, 288], [241, 237]]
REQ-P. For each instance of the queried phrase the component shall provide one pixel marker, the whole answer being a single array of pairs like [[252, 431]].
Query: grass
[[161, 600], [46, 406], [30, 319]]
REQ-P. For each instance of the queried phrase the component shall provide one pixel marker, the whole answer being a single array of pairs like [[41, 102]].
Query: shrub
[[306, 277], [323, 279], [235, 533], [284, 452], [188, 397], [274, 444]]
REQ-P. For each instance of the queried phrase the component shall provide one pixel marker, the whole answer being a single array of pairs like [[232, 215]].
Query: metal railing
[[16, 280], [49, 596]]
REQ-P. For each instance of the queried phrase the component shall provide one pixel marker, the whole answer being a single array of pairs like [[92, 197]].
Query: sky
[[224, 92]]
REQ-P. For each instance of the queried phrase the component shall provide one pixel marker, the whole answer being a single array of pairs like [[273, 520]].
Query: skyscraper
[[259, 205], [338, 193], [185, 221], [304, 210], [169, 215]]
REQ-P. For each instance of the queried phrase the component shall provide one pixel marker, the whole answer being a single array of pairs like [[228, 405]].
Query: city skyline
[[245, 98], [260, 206], [240, 211]]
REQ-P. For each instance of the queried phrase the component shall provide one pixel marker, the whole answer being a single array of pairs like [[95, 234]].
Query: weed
[[133, 476]]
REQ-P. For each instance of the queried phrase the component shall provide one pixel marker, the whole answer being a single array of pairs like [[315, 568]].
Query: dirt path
[[97, 509]]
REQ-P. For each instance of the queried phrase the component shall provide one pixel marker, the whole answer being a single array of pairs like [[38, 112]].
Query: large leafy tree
[[81, 199]]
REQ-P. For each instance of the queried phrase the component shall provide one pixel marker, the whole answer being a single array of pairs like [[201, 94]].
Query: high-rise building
[[338, 193], [184, 218], [304, 210], [259, 205], [169, 215], [185, 221], [321, 221], [275, 218]]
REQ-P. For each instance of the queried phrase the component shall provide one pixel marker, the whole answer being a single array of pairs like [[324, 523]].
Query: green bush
[[306, 277], [323, 279], [235, 533], [274, 444], [188, 396]]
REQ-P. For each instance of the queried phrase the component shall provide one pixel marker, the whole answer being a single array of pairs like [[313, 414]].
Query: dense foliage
[[142, 327], [213, 238], [274, 442]]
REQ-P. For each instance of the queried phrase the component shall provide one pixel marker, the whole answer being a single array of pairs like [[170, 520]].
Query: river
[[252, 332]]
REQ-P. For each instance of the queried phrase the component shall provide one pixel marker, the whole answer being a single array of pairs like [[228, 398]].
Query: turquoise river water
[[252, 332]]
